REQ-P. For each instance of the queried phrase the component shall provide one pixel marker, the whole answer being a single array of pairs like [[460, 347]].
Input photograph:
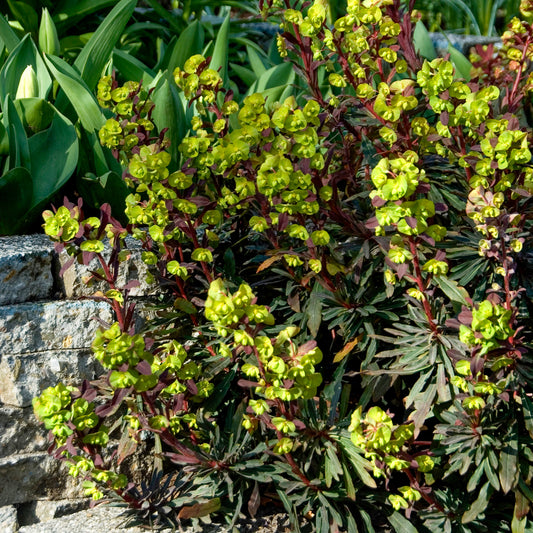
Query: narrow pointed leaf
[[8, 36], [401, 524], [479, 505], [508, 470], [168, 113], [19, 151]]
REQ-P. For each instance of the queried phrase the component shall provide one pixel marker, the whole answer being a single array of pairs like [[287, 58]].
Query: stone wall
[[46, 329]]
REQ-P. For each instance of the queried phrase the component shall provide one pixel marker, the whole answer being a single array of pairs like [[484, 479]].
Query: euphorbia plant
[[343, 315]]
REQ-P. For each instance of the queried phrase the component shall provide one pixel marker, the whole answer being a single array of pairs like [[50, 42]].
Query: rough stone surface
[[133, 269], [36, 327], [22, 377], [35, 476], [20, 432], [105, 518], [26, 269], [8, 519], [45, 510]]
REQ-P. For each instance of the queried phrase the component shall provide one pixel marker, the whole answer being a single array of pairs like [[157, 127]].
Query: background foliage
[[342, 243]]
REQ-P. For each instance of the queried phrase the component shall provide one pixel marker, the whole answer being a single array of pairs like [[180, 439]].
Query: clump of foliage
[[344, 315]]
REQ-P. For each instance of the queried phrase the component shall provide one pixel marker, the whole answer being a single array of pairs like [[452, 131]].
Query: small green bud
[[48, 38], [28, 84]]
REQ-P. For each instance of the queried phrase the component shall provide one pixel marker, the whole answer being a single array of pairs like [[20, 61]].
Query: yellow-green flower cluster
[[383, 442], [55, 408], [490, 326], [227, 310], [284, 371]]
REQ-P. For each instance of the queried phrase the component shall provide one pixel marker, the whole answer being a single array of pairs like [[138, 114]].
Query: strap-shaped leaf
[[169, 113], [92, 59], [189, 43], [76, 90], [54, 156], [452, 290], [219, 58]]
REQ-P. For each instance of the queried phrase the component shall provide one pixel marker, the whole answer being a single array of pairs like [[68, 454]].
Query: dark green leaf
[[452, 290], [81, 98], [479, 506], [16, 189], [508, 470], [423, 43], [96, 53], [401, 524]]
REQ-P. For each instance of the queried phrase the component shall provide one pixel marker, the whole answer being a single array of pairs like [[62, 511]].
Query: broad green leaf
[[54, 156], [452, 290], [92, 59], [278, 76], [168, 113], [15, 199], [81, 98], [255, 62], [401, 524], [131, 68], [245, 74], [508, 470], [24, 54], [423, 43], [219, 59], [189, 43], [479, 505], [36, 113], [463, 67], [7, 35]]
